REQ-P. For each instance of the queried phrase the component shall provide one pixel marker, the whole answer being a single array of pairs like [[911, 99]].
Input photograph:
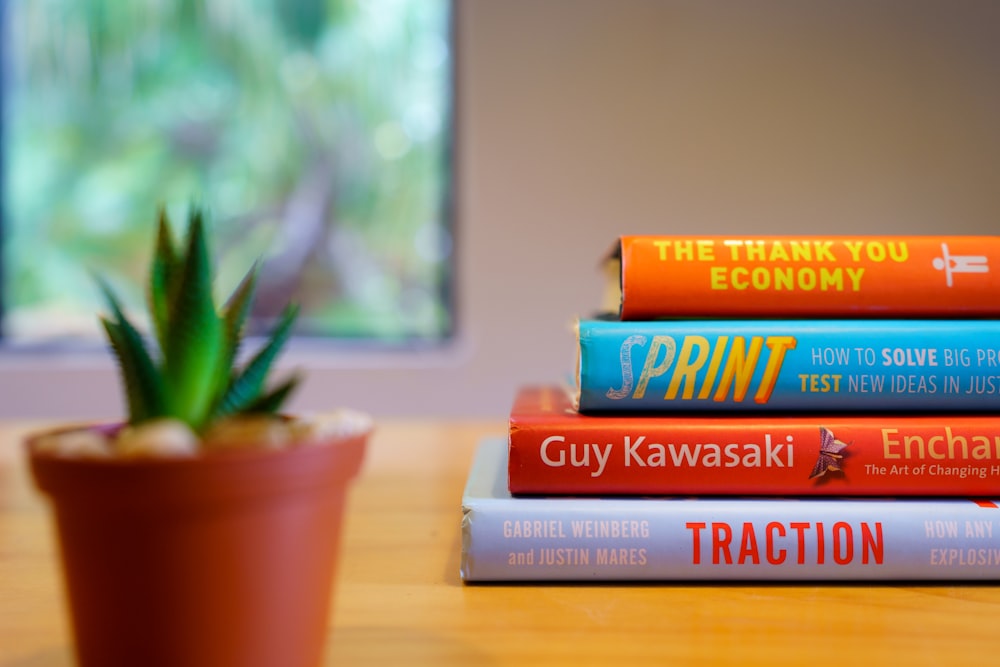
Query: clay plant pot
[[225, 559]]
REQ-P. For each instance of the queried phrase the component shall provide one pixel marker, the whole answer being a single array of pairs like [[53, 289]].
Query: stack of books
[[809, 408]]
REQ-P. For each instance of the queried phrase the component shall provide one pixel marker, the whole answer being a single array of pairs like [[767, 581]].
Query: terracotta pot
[[222, 560]]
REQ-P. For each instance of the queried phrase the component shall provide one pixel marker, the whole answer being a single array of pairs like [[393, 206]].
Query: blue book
[[663, 539], [788, 365]]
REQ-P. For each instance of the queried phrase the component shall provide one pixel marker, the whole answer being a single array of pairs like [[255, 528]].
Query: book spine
[[864, 365], [882, 276], [543, 539], [800, 456]]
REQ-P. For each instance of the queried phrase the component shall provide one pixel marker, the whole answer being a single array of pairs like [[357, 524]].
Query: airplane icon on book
[[952, 264]]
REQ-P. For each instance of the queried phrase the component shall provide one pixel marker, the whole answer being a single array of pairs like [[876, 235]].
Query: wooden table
[[400, 600]]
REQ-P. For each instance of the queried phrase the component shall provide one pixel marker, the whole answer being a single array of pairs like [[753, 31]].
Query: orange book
[[654, 277], [555, 450]]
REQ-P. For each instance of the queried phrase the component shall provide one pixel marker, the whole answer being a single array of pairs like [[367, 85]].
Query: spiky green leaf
[[194, 350], [142, 383], [164, 271], [272, 401], [140, 379], [248, 385], [234, 317]]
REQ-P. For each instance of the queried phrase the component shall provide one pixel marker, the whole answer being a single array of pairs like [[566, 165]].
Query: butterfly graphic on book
[[830, 454]]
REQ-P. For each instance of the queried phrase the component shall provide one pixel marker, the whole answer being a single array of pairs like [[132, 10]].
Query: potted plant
[[204, 530]]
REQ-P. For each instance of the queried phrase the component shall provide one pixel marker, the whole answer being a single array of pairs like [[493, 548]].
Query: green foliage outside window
[[314, 132]]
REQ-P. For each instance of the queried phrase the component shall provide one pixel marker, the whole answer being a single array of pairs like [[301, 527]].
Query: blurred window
[[315, 133]]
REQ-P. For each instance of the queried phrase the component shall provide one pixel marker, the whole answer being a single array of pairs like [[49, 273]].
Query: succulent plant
[[194, 377]]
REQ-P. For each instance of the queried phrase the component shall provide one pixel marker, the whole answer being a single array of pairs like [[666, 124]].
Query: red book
[[557, 451], [653, 277]]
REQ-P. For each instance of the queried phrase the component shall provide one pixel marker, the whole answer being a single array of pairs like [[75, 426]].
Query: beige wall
[[583, 119]]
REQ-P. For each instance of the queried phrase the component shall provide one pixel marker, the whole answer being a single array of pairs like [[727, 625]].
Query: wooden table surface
[[400, 601]]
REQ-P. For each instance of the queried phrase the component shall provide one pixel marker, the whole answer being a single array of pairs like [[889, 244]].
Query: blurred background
[[315, 132], [438, 183]]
